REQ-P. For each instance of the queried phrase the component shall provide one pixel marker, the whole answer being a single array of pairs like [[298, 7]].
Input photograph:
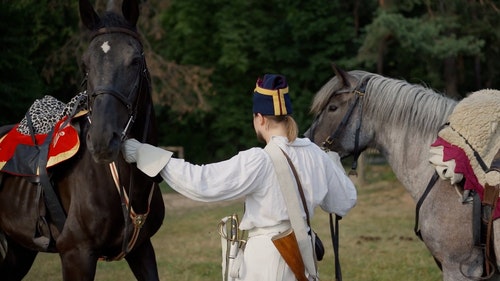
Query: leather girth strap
[[490, 199], [57, 214], [56, 211], [421, 200]]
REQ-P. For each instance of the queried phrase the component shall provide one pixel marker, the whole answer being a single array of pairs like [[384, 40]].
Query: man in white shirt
[[251, 174]]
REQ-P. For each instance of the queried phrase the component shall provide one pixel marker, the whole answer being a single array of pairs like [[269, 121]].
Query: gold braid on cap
[[278, 98]]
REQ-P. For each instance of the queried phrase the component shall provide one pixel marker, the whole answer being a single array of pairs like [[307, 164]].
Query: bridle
[[142, 77], [359, 92], [132, 106], [326, 145]]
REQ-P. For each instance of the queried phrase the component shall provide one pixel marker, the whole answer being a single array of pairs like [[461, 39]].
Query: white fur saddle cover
[[474, 128], [468, 144]]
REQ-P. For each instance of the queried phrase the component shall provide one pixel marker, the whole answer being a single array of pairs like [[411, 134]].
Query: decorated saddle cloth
[[47, 117], [468, 143]]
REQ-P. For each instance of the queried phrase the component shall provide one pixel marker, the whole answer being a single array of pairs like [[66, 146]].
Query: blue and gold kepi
[[271, 97]]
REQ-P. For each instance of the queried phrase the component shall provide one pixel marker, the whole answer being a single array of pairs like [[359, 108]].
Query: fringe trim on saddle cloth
[[473, 129]]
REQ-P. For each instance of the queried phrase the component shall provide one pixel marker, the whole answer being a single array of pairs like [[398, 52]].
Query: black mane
[[111, 19]]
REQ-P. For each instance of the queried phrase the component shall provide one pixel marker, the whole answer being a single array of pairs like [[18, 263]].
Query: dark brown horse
[[96, 221]]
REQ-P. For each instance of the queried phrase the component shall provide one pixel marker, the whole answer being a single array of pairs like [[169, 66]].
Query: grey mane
[[395, 102], [410, 106]]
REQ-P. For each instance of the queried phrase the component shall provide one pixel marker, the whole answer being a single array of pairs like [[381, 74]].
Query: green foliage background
[[447, 45]]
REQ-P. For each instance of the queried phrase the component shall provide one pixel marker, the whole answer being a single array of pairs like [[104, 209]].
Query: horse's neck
[[145, 126], [405, 120], [408, 155]]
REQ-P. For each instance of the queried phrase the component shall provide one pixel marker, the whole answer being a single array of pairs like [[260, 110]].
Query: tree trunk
[[450, 77], [477, 72], [382, 48]]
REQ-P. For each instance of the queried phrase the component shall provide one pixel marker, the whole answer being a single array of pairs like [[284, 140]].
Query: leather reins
[[138, 220], [359, 91]]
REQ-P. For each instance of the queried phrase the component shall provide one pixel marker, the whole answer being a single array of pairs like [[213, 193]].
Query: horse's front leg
[[142, 262], [78, 264]]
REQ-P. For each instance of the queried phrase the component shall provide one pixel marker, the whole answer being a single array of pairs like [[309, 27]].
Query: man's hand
[[129, 150]]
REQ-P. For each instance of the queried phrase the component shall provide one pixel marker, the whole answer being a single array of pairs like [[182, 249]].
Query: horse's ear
[[130, 10], [88, 15], [343, 75]]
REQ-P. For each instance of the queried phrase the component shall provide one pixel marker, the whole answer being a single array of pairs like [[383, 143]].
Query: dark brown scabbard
[[287, 245]]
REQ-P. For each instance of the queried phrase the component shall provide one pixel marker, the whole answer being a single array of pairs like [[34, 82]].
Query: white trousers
[[262, 261]]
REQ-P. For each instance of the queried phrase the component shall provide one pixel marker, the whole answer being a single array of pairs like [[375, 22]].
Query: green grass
[[376, 237]]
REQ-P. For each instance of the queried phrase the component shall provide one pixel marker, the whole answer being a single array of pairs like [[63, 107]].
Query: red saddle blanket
[[64, 144]]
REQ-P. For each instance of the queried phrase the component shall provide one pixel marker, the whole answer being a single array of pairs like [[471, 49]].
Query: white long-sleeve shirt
[[250, 174]]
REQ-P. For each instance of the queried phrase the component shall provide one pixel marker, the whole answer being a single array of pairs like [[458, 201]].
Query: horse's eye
[[332, 108]]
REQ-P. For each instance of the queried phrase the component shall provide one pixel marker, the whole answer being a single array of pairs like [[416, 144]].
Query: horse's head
[[338, 110], [117, 77]]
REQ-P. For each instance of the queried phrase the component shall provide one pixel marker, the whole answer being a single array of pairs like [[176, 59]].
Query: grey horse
[[357, 110]]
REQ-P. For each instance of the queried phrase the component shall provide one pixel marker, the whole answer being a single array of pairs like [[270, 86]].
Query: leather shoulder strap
[[299, 187], [289, 190]]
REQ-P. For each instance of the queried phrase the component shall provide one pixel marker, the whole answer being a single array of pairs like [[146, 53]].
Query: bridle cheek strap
[[359, 92], [132, 107]]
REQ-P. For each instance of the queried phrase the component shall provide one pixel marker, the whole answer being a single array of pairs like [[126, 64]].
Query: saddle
[[466, 150], [468, 143], [42, 139], [47, 121]]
